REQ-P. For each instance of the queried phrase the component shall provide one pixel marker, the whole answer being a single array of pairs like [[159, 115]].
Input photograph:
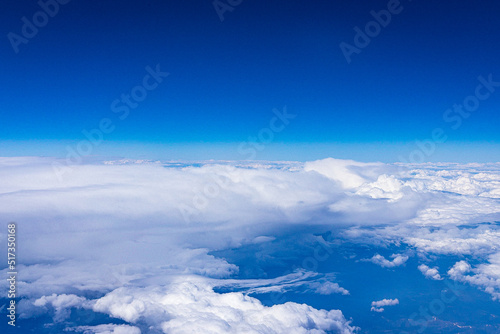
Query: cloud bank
[[115, 236]]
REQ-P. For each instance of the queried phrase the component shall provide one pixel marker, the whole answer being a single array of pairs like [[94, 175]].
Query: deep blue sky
[[226, 77]]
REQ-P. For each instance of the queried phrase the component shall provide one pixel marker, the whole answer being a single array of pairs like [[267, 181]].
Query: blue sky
[[225, 78]]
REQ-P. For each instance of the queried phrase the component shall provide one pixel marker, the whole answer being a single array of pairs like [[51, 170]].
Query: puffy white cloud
[[428, 272], [378, 306], [398, 260], [485, 275], [60, 303], [386, 186], [459, 269], [328, 288], [479, 240], [191, 306], [342, 171]]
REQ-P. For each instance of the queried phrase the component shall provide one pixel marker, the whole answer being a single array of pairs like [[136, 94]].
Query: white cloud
[[386, 186], [378, 306], [191, 306], [106, 329], [449, 239], [328, 288], [262, 238], [102, 208], [341, 171], [113, 225], [459, 269], [428, 272], [60, 303], [398, 260], [486, 275], [310, 281]]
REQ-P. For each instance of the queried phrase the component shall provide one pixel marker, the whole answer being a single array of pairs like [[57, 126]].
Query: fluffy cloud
[[398, 260], [486, 275], [61, 304], [459, 269], [378, 306], [346, 172], [100, 208], [428, 272], [191, 306]]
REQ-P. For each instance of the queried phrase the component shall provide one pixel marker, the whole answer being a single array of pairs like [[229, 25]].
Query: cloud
[[459, 269], [486, 275], [61, 304], [127, 206], [398, 260], [431, 273], [119, 228], [341, 171], [377, 306], [106, 329], [449, 239], [328, 288], [191, 306], [307, 280]]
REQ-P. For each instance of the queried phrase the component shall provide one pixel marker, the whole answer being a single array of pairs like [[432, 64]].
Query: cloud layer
[[115, 236]]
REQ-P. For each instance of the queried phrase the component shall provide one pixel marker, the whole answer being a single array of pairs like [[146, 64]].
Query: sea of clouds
[[134, 240]]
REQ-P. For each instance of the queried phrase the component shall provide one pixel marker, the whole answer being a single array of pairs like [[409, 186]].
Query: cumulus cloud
[[341, 171], [459, 269], [191, 306], [397, 260], [328, 288], [486, 275], [61, 304], [378, 306], [450, 239], [428, 272]]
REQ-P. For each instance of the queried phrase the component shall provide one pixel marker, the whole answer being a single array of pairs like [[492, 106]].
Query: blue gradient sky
[[226, 78]]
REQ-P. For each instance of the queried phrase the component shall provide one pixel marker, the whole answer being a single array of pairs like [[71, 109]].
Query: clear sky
[[226, 77]]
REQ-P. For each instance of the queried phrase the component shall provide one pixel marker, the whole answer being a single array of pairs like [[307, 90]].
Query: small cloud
[[431, 273], [398, 260], [375, 309], [328, 288], [262, 239], [459, 269], [377, 305], [61, 304]]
